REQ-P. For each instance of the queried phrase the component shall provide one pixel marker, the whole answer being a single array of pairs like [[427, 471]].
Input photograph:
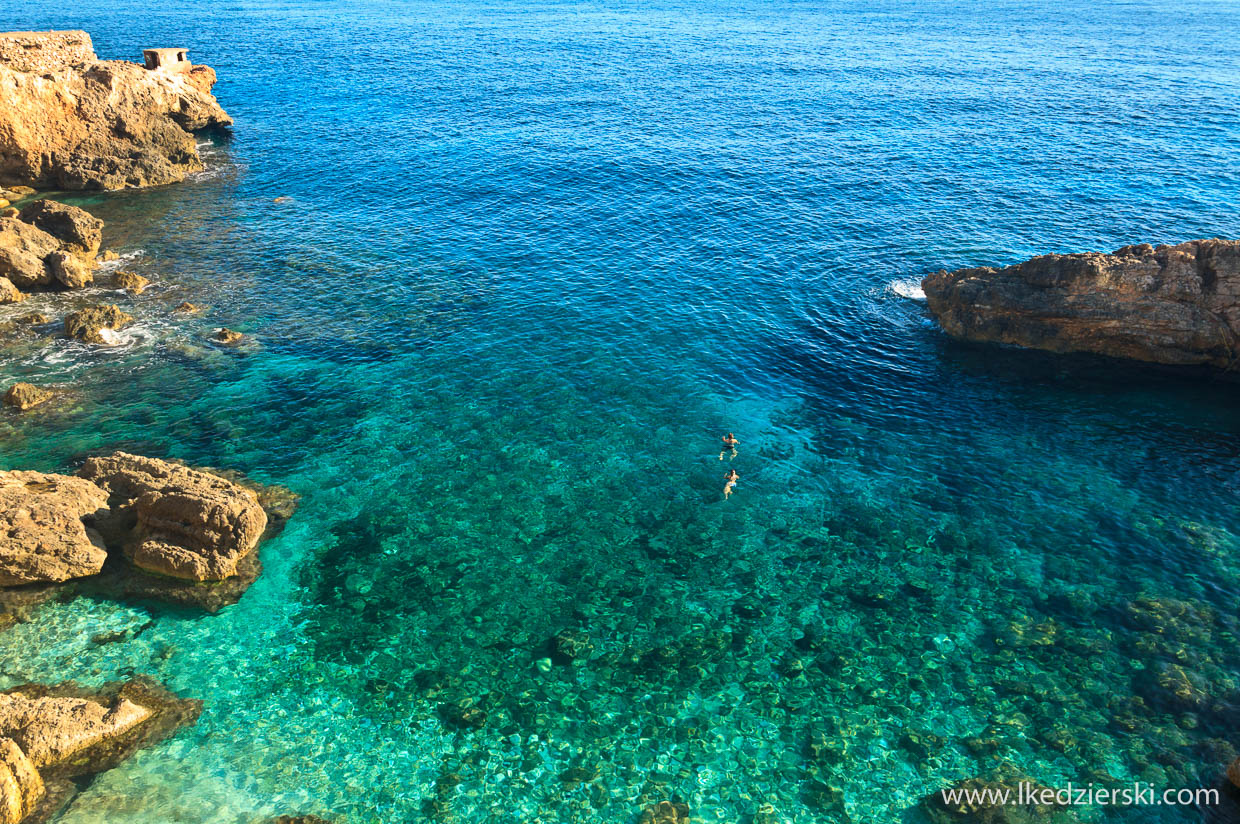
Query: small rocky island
[[69, 120], [1176, 305]]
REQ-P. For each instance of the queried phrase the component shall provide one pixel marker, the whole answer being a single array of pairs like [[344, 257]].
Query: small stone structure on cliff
[[168, 60], [41, 51]]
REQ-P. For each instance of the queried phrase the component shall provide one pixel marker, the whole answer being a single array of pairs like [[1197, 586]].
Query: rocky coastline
[[124, 526], [71, 121], [1176, 305]]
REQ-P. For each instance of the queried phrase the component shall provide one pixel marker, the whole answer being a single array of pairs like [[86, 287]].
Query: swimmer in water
[[731, 478], [729, 443]]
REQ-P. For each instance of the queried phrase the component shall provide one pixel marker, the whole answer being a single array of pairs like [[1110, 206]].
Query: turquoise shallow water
[[536, 259]]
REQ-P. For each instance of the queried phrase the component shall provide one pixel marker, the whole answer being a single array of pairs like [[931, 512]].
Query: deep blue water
[[537, 258]]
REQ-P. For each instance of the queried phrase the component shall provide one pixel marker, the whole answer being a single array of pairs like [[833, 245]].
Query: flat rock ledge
[[52, 735], [1176, 305], [133, 527]]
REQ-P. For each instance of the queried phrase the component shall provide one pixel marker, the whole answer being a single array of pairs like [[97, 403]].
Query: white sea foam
[[126, 259], [908, 288]]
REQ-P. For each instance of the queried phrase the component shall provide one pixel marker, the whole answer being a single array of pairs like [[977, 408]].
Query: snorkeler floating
[[731, 478], [729, 443]]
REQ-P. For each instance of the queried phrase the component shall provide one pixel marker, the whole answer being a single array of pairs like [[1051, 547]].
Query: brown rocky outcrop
[[50, 729], [71, 121], [131, 282], [77, 231], [47, 245], [51, 736], [69, 271], [43, 532], [1167, 304], [183, 523], [96, 324], [23, 396], [10, 293], [21, 786]]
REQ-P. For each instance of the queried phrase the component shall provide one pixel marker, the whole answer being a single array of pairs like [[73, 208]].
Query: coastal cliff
[[69, 120], [1175, 305]]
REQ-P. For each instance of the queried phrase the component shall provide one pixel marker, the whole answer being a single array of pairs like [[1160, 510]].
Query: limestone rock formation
[[69, 271], [71, 121], [22, 250], [96, 324], [131, 282], [21, 786], [186, 523], [43, 534], [78, 231], [1167, 304], [10, 293], [50, 730], [228, 337], [23, 396], [52, 735]]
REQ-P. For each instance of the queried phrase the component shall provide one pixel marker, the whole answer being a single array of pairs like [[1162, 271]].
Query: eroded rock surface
[[97, 324], [1167, 304], [185, 523], [21, 786], [52, 729], [44, 536], [71, 121], [77, 231]]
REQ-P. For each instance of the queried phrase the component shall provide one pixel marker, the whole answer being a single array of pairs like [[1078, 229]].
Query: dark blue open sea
[[536, 258]]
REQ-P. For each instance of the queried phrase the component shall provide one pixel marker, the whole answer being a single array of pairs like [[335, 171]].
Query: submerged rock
[[1167, 304], [188, 308], [44, 535], [666, 812], [59, 734], [570, 645], [25, 396], [185, 523], [96, 324], [126, 125]]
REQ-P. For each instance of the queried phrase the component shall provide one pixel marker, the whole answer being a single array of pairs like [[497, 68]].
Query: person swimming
[[731, 478], [729, 442]]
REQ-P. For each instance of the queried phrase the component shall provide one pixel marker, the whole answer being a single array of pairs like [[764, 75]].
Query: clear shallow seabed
[[537, 257]]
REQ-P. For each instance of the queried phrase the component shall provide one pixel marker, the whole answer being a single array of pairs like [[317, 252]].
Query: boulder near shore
[[134, 527], [1176, 305], [69, 120]]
